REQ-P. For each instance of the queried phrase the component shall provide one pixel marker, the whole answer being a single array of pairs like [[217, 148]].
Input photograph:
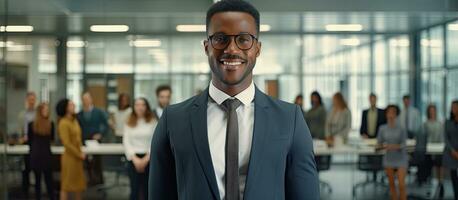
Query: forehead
[[232, 23]]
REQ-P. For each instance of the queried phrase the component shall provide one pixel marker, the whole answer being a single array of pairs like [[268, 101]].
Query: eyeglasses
[[243, 41]]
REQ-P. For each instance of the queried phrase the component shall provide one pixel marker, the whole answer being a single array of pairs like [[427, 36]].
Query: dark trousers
[[26, 174], [138, 182], [454, 177], [94, 170], [48, 181]]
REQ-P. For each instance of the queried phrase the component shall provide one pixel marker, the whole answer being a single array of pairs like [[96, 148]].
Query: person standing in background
[[433, 129], [163, 94], [316, 116], [338, 123], [450, 155], [392, 138], [121, 115], [40, 134], [410, 119], [72, 178], [137, 138], [299, 100], [94, 124], [24, 118], [372, 119]]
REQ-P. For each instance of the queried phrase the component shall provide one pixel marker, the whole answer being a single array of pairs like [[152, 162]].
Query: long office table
[[101, 149], [366, 148]]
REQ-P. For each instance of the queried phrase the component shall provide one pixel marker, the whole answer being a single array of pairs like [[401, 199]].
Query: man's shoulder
[[278, 105], [181, 107]]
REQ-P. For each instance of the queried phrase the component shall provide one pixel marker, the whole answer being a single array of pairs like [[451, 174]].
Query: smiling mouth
[[231, 65]]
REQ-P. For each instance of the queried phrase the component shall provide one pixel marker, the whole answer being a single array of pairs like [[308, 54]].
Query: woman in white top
[[121, 115], [138, 133], [338, 123]]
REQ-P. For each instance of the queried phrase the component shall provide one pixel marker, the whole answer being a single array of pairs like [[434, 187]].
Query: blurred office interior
[[62, 48]]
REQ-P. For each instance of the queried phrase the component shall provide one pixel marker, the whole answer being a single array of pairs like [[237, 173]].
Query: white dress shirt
[[411, 117], [137, 140], [159, 112], [217, 125]]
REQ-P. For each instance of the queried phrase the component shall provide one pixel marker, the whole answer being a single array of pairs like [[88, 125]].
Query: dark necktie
[[232, 149]]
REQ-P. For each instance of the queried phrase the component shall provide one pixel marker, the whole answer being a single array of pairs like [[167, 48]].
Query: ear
[[258, 49], [205, 42]]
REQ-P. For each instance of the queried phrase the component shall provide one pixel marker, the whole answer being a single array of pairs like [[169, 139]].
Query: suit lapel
[[198, 116], [260, 129]]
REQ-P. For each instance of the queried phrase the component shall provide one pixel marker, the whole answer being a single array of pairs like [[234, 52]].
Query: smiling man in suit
[[232, 141]]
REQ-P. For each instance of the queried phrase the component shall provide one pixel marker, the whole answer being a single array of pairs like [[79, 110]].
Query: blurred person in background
[[94, 125], [316, 116], [121, 115], [163, 94], [392, 138], [433, 129], [40, 135], [372, 119], [24, 118], [338, 123], [410, 118], [72, 179], [450, 155], [137, 138], [299, 100]]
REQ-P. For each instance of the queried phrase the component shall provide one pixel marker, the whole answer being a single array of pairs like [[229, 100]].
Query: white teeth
[[232, 63]]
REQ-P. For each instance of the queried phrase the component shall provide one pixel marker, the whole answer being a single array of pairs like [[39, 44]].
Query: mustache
[[232, 56]]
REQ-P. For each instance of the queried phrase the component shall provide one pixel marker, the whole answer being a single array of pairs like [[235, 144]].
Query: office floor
[[341, 178]]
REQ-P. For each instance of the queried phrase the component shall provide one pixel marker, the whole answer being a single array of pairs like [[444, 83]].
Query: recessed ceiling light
[[191, 28], [15, 28], [109, 28], [145, 43], [344, 27]]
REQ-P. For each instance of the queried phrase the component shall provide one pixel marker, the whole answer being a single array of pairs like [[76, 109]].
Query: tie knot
[[231, 104]]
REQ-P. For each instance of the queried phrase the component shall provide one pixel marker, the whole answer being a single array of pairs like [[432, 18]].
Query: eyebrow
[[235, 34]]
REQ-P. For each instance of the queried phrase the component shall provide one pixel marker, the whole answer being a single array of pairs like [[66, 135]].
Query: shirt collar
[[246, 96]]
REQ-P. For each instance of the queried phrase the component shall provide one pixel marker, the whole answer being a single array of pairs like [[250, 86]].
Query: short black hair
[[163, 88], [233, 6], [406, 97], [61, 107], [372, 95]]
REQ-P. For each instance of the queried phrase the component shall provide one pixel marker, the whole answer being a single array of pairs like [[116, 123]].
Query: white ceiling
[[162, 16]]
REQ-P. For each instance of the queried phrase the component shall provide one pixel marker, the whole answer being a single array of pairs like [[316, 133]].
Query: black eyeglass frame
[[209, 39]]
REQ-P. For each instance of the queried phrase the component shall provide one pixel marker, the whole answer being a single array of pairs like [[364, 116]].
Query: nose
[[231, 47]]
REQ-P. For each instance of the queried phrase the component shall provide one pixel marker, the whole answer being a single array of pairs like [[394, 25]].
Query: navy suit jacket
[[281, 164], [381, 119]]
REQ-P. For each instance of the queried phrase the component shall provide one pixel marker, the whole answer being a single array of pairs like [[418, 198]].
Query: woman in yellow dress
[[72, 172]]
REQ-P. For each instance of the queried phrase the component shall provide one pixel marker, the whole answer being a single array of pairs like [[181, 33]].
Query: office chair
[[323, 163], [369, 164]]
